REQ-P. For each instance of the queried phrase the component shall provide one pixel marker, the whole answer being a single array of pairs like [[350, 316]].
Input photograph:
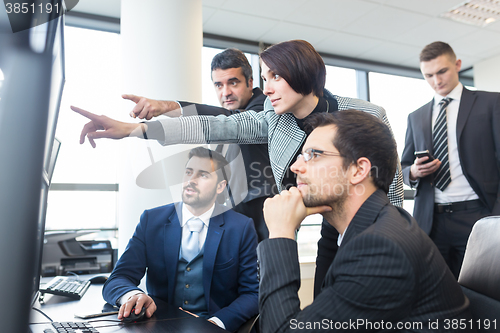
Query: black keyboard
[[66, 286], [72, 327]]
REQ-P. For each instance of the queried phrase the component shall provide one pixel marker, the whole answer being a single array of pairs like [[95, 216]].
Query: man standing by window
[[461, 128]]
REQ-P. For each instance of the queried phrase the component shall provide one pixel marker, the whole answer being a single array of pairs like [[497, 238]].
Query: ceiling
[[386, 31]]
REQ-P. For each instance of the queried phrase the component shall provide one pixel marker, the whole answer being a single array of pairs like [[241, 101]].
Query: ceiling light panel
[[475, 12]]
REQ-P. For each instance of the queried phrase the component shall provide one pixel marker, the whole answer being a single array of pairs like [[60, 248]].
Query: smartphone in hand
[[424, 153]]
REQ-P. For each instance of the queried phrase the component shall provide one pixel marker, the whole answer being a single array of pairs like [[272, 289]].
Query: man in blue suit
[[198, 256]]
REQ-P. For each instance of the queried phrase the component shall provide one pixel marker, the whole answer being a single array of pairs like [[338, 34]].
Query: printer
[[63, 253]]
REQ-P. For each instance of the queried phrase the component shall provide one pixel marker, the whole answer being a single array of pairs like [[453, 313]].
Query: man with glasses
[[387, 273]]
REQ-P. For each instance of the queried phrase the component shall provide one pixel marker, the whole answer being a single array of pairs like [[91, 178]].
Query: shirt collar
[[187, 215], [455, 94], [341, 237]]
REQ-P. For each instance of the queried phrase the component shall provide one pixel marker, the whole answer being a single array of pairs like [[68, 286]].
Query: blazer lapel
[[427, 127], [466, 102], [284, 144], [173, 235], [366, 215], [214, 236]]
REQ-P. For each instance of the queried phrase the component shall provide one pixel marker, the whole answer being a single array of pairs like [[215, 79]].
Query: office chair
[[252, 323], [480, 273]]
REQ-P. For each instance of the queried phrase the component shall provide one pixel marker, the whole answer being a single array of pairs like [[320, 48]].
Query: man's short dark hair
[[360, 134], [299, 64], [221, 166], [436, 49], [232, 58]]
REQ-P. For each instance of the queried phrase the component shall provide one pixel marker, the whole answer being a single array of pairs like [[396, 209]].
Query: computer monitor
[[32, 62], [54, 41], [48, 171]]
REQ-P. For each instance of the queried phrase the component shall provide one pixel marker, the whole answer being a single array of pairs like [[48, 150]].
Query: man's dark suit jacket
[[229, 263], [386, 269], [259, 175], [478, 138]]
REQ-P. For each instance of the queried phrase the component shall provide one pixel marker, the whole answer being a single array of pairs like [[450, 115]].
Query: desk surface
[[166, 318]]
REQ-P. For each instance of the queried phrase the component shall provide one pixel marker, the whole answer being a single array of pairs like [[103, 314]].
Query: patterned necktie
[[190, 241], [442, 176]]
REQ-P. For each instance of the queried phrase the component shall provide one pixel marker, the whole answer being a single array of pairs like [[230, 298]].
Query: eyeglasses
[[310, 154]]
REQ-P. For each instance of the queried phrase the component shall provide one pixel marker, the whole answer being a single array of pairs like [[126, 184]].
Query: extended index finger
[[131, 97], [84, 113]]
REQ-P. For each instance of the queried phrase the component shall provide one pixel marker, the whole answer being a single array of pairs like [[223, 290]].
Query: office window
[[399, 96], [93, 82], [341, 81], [95, 210]]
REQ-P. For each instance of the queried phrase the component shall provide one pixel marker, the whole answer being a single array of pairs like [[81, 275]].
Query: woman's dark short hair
[[436, 49], [299, 64], [221, 166], [360, 134], [232, 58]]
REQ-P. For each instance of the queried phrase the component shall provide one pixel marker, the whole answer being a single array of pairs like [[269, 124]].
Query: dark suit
[[259, 176], [229, 263], [386, 269], [478, 140]]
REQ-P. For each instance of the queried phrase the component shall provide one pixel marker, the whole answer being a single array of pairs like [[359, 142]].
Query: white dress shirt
[[459, 189], [341, 237], [205, 218]]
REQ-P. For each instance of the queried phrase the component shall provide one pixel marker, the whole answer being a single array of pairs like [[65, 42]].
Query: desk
[[166, 318]]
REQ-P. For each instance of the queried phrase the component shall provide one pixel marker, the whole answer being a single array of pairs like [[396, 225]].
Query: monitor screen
[[32, 64], [52, 144], [46, 181]]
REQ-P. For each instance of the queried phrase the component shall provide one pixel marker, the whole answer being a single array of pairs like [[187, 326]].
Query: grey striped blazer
[[280, 132]]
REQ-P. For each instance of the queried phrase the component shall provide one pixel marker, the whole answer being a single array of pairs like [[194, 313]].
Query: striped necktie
[[442, 176]]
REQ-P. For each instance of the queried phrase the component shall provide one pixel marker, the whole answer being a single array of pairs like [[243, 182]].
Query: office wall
[[487, 74]]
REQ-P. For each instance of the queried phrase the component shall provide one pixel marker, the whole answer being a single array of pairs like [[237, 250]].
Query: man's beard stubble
[[335, 200], [198, 200]]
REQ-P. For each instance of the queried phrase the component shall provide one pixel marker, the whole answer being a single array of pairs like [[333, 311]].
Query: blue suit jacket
[[229, 263]]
